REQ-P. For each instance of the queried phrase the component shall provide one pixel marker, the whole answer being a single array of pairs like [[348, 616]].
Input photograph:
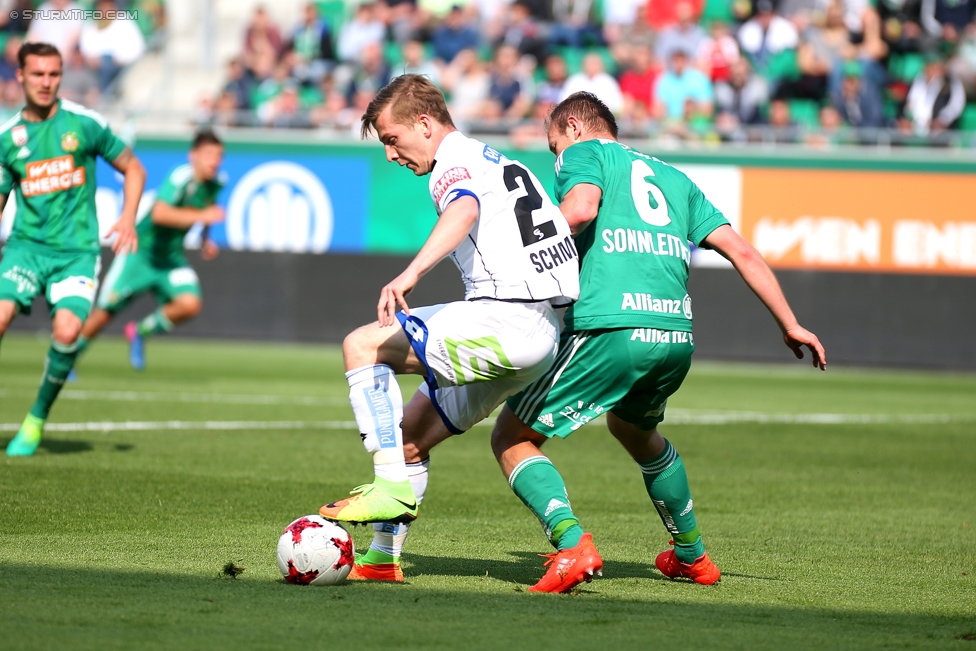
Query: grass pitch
[[841, 508]]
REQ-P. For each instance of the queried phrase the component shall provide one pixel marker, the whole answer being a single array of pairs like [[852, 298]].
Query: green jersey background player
[[47, 156], [627, 343], [186, 197]]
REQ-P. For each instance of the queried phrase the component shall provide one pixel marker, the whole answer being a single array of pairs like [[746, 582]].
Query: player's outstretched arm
[[166, 214], [581, 205], [450, 230], [135, 180], [757, 274]]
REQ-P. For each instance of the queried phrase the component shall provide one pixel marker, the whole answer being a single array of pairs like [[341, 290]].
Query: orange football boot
[[702, 571], [570, 567], [376, 572]]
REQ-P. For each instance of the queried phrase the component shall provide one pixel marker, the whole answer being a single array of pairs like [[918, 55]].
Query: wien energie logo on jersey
[[51, 175]]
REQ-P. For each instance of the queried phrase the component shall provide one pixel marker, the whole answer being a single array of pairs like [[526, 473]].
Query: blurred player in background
[[516, 256], [47, 155], [187, 197]]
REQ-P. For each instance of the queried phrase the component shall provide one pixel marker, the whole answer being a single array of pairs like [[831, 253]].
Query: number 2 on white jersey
[[648, 198]]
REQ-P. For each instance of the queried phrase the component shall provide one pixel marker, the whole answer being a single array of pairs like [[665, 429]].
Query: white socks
[[378, 408], [389, 538]]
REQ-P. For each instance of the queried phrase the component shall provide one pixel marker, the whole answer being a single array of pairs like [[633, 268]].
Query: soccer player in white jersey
[[518, 262]]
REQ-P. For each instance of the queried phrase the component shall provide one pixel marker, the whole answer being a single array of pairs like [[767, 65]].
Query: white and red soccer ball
[[315, 551]]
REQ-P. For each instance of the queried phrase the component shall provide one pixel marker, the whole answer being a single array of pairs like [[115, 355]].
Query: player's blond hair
[[409, 97]]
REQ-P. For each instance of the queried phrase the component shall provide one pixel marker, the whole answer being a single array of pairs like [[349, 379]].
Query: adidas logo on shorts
[[546, 419]]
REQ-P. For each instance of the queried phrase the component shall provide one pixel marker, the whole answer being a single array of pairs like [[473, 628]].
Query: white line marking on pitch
[[135, 426], [707, 417], [187, 396], [675, 417]]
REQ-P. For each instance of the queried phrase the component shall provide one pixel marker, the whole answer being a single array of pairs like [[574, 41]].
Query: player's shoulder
[[180, 175], [7, 133], [460, 159], [84, 114], [586, 153], [459, 149]]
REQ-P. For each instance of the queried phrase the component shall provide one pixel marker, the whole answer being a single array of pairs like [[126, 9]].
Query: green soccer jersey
[[182, 190], [634, 256], [51, 166]]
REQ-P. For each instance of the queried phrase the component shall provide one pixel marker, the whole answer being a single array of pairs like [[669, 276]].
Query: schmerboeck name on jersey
[[51, 175], [552, 256], [622, 240]]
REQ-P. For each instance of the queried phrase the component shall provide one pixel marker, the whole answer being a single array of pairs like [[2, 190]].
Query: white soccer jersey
[[521, 248]]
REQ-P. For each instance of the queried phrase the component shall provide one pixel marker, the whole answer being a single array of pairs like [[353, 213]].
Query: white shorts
[[478, 353]]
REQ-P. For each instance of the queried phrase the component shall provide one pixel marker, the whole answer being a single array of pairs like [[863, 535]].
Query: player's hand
[[126, 238], [799, 337], [212, 214], [393, 295], [209, 251]]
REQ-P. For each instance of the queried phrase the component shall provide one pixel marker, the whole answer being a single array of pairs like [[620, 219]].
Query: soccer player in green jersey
[[626, 347], [47, 156], [187, 196], [627, 343]]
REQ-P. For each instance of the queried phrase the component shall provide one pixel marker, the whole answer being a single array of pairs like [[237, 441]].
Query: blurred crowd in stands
[[811, 71], [93, 51]]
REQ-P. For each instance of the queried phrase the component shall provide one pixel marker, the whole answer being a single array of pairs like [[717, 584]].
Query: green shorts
[[131, 275], [630, 372], [66, 279]]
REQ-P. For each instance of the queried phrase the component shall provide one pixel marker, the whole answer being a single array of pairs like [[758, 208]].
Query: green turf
[[829, 535]]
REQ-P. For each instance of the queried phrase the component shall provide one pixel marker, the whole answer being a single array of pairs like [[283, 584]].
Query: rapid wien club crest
[[69, 141], [19, 135]]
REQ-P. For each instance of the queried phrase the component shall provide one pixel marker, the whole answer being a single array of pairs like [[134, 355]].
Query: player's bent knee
[[8, 309], [66, 333], [356, 345], [192, 306], [187, 306]]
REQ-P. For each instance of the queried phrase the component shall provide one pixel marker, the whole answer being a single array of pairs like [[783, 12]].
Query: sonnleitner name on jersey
[[639, 241]]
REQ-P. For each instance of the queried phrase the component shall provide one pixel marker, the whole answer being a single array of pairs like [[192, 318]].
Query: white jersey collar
[[453, 139]]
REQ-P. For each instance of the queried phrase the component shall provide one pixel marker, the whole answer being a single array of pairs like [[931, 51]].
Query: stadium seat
[[968, 120], [805, 112], [782, 66], [574, 57], [333, 12], [393, 52], [905, 67], [716, 11]]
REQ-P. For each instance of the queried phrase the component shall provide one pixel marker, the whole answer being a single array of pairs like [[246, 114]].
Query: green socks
[[155, 324], [667, 484], [58, 364], [540, 487]]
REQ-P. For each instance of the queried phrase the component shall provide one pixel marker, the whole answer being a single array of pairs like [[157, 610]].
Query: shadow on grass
[[113, 609], [60, 446], [524, 568]]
